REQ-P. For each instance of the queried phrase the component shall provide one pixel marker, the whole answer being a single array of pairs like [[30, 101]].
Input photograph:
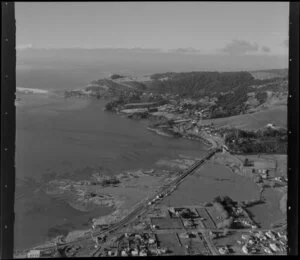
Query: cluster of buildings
[[281, 179], [260, 175], [185, 107], [135, 244], [187, 216], [261, 242]]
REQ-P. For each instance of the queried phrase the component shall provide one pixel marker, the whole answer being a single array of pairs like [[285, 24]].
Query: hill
[[221, 94], [114, 86], [196, 84]]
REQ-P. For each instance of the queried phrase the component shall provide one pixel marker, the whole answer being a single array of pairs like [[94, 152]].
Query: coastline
[[140, 185], [80, 234], [31, 90]]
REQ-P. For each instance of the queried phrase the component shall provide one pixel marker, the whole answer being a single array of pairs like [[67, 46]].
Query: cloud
[[286, 43], [138, 49], [239, 47], [265, 49], [24, 46], [185, 50]]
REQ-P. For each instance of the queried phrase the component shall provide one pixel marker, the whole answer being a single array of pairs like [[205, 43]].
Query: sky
[[190, 27]]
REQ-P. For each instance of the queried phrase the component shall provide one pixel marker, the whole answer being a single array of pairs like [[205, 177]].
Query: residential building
[[245, 250]]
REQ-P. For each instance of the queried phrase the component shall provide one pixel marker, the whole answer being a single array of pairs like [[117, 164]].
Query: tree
[[217, 199]]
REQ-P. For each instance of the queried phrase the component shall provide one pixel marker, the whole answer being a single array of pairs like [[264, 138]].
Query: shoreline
[[31, 91], [137, 180], [76, 235], [80, 233]]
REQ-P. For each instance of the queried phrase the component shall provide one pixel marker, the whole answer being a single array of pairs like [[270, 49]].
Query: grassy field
[[166, 223], [276, 115], [209, 181], [170, 241]]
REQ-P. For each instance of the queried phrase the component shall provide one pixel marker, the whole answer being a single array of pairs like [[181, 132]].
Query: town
[[189, 230]]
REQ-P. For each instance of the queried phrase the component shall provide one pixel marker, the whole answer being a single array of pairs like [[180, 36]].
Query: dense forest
[[196, 84]]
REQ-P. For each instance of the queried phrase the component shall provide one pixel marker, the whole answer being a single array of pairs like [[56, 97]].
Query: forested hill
[[197, 84]]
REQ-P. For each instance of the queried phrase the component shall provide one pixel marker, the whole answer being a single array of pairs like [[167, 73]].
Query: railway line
[[142, 209], [170, 187]]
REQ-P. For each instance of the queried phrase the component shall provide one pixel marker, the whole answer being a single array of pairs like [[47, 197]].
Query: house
[[274, 247], [245, 250], [251, 242], [270, 234], [185, 235], [281, 242], [135, 252], [270, 125], [223, 250], [34, 254], [260, 234], [151, 240], [143, 253], [280, 234], [123, 253]]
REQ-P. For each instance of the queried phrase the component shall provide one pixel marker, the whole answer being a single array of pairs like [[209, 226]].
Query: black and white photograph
[[151, 129]]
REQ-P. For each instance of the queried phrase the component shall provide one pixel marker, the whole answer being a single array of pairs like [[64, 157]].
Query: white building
[[151, 241], [270, 234], [274, 247], [245, 250], [134, 252], [223, 250], [34, 254], [143, 253], [251, 242], [123, 253]]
